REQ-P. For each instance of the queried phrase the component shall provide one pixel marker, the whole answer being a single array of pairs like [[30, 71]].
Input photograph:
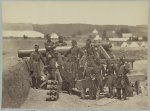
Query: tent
[[54, 36], [134, 44], [144, 45], [124, 44], [95, 31], [30, 34], [97, 38], [118, 39]]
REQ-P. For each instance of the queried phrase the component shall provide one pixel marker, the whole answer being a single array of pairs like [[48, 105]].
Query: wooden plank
[[104, 52]]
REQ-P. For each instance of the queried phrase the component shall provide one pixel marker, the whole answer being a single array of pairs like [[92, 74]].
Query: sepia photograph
[[75, 55]]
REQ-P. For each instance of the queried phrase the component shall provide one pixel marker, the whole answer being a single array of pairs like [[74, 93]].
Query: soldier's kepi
[[35, 69]]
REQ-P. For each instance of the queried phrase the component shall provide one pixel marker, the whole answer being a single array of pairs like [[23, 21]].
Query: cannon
[[103, 47], [26, 53], [62, 49]]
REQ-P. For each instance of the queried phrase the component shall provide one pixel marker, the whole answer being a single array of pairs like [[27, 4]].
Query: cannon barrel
[[105, 45], [26, 53]]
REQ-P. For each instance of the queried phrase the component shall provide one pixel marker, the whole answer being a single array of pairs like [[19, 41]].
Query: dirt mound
[[16, 85]]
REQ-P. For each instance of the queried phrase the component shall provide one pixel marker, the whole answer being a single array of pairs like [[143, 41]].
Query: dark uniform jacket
[[69, 66], [90, 50], [34, 61], [99, 71], [111, 70], [75, 53], [122, 79], [49, 45]]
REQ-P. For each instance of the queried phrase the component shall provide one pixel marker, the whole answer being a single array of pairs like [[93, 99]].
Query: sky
[[98, 12]]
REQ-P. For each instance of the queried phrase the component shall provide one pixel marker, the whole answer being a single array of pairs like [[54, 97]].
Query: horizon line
[[71, 23]]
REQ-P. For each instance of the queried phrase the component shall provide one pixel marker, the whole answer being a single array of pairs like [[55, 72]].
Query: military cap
[[36, 45], [74, 41], [89, 40], [47, 35], [60, 36]]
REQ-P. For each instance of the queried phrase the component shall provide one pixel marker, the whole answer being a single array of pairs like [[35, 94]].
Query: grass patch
[[138, 54]]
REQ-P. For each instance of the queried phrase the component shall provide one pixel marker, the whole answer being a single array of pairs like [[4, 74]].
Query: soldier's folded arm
[[52, 46]]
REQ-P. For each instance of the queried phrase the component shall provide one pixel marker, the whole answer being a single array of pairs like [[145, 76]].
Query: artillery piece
[[104, 48]]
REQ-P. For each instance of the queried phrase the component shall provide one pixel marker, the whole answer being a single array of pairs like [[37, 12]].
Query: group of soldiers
[[80, 64]]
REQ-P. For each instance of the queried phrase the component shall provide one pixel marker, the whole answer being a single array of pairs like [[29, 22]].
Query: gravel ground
[[36, 100]]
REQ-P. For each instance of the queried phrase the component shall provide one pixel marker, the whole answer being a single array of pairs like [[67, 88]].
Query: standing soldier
[[99, 71], [49, 44], [75, 54], [91, 56], [90, 51], [53, 68], [35, 68], [52, 61], [88, 82], [60, 42], [68, 66], [122, 80], [111, 70], [50, 55]]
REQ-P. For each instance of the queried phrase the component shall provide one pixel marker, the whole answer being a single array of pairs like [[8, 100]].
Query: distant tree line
[[75, 30]]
